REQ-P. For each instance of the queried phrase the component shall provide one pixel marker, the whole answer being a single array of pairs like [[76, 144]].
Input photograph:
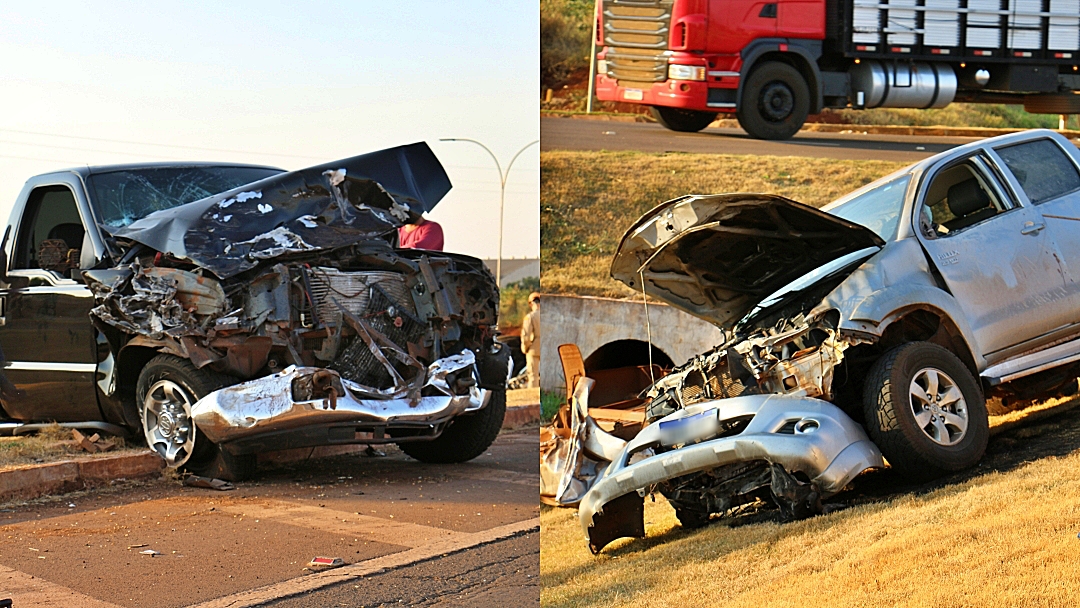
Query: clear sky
[[285, 84]]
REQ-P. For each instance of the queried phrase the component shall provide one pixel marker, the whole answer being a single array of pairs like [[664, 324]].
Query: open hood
[[321, 207], [718, 256]]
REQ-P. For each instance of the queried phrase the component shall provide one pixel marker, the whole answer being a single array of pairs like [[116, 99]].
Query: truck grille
[[636, 34]]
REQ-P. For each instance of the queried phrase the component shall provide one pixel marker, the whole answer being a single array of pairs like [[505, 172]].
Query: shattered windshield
[[878, 209], [121, 197]]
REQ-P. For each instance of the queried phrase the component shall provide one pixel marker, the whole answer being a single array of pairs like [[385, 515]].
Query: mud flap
[[622, 517]]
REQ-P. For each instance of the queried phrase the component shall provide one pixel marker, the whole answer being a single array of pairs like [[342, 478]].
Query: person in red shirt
[[421, 234]]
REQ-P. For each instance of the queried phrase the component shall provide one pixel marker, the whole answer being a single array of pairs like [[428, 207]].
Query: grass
[[588, 199], [999, 116], [51, 444], [1005, 537], [550, 402]]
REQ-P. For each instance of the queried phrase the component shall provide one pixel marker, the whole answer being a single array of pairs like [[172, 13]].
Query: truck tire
[[465, 438], [685, 121], [775, 102], [167, 389], [925, 411]]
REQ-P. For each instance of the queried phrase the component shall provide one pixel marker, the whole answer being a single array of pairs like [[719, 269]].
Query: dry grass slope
[[588, 199], [996, 540]]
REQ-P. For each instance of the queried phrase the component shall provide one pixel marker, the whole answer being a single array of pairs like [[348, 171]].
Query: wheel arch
[[799, 54], [926, 323], [129, 363], [877, 312]]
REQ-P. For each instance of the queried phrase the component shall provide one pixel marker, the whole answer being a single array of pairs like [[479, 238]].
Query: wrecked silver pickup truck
[[225, 310], [876, 326]]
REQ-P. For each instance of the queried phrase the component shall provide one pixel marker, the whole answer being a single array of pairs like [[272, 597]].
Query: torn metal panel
[[301, 397], [156, 302], [322, 207], [573, 459]]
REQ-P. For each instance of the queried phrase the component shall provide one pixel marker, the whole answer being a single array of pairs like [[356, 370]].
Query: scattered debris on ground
[[196, 481], [322, 563], [94, 443]]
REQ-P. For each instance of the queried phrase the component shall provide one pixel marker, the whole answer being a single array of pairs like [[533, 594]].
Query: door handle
[[1031, 228]]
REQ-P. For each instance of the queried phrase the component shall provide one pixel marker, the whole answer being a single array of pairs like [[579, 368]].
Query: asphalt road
[[585, 134], [392, 520]]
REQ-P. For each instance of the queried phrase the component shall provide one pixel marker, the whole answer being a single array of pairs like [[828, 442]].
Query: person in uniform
[[530, 340]]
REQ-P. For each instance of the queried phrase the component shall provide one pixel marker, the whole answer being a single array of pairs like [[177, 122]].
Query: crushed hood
[[716, 257], [321, 207]]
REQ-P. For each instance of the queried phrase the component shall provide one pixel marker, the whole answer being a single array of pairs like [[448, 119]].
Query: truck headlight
[[685, 72], [601, 67]]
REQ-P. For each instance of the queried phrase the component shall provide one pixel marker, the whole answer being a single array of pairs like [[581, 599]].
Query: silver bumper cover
[[266, 405], [829, 447]]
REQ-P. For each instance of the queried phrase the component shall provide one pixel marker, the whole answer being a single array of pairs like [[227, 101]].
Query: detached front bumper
[[800, 434], [265, 413]]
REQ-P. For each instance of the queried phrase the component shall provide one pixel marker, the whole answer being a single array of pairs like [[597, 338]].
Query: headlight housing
[[685, 72]]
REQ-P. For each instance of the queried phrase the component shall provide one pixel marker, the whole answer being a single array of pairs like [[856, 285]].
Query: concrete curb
[[70, 475], [521, 415], [821, 127]]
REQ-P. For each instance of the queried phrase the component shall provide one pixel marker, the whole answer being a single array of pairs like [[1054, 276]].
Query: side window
[[959, 197], [1042, 168], [51, 232]]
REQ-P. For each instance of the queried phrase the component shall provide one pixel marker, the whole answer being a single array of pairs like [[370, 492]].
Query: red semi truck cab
[[773, 63]]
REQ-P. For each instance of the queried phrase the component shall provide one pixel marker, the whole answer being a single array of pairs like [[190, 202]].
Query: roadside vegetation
[[1003, 534], [51, 444], [514, 302], [589, 199]]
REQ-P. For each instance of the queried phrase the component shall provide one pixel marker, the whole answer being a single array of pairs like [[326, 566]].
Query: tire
[[684, 121], [465, 438], [168, 386], [775, 102], [891, 401]]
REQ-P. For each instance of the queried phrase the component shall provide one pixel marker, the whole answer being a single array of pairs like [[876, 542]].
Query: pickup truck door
[[993, 254], [1046, 177], [49, 354]]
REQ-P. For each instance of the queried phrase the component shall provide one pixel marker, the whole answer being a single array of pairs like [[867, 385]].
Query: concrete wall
[[593, 322]]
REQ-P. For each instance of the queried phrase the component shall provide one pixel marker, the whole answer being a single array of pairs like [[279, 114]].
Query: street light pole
[[502, 192]]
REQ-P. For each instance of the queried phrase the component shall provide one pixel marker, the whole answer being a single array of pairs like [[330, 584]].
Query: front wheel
[[925, 411], [686, 121], [775, 102], [465, 438], [167, 389]]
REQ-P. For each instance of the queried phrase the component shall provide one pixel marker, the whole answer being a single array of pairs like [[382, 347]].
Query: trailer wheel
[[686, 121], [775, 102], [925, 411]]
